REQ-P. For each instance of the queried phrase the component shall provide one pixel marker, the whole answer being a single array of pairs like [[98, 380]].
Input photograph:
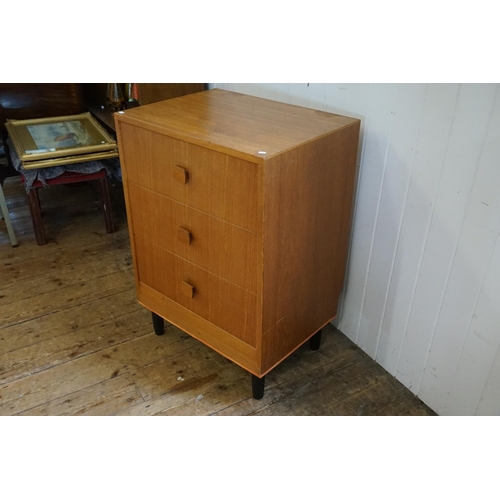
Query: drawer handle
[[184, 236], [187, 289], [180, 174]]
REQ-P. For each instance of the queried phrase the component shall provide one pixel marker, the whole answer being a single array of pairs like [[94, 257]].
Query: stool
[[67, 177]]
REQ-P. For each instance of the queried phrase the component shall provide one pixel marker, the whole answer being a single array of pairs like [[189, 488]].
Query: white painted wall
[[422, 294]]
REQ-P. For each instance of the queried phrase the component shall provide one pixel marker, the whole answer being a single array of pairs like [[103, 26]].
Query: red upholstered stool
[[68, 178]]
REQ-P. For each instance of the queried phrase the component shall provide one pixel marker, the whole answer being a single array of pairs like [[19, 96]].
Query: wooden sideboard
[[239, 213]]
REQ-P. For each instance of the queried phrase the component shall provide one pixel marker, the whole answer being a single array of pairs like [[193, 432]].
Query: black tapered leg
[[315, 341], [258, 387], [158, 324]]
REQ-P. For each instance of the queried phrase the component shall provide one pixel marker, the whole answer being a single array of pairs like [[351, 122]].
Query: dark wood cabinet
[[96, 98]]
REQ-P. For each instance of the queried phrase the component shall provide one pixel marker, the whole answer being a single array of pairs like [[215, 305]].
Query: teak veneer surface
[[243, 125], [239, 212]]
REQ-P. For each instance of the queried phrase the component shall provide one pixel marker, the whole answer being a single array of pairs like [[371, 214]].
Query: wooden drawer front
[[225, 305], [212, 182], [217, 246]]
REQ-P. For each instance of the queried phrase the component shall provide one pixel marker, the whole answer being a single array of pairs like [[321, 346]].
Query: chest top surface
[[235, 122]]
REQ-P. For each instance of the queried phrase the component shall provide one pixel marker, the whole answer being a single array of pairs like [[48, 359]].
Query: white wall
[[422, 294]]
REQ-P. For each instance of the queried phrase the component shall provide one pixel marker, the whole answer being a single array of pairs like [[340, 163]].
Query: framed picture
[[46, 142]]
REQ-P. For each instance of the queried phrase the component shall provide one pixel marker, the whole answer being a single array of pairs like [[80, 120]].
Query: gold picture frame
[[61, 140]]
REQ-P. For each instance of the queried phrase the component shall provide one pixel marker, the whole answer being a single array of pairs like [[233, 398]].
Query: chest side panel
[[307, 208]]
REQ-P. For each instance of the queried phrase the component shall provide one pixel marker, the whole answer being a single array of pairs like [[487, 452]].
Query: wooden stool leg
[[106, 205], [36, 216], [258, 385], [158, 324]]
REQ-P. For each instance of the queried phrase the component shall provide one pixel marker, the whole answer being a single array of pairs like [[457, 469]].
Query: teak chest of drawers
[[239, 215]]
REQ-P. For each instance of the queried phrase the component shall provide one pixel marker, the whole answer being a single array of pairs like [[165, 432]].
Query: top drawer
[[215, 183]]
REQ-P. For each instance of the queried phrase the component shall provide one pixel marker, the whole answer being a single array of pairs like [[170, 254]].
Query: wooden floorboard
[[74, 340]]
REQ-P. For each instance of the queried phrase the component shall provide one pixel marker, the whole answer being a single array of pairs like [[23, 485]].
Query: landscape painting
[[59, 135]]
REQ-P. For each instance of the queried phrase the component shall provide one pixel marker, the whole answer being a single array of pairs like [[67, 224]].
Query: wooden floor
[[74, 341]]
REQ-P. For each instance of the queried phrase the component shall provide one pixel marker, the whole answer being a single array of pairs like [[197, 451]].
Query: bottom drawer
[[225, 305]]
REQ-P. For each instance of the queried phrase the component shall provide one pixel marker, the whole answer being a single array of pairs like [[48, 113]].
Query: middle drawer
[[223, 249]]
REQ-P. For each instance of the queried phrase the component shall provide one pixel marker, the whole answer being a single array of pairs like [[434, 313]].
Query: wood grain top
[[259, 128]]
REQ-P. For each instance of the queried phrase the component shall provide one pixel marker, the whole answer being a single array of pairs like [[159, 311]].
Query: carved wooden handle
[[187, 289], [184, 236], [180, 174]]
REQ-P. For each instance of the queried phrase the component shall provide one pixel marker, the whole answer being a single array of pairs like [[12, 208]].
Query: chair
[[4, 212], [43, 100]]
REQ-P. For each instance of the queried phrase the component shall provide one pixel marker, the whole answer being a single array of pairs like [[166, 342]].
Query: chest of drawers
[[239, 214]]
